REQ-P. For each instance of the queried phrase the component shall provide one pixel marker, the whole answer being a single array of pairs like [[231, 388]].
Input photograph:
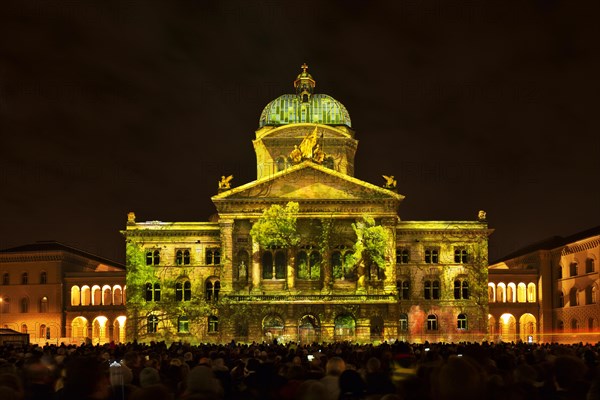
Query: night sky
[[115, 106]]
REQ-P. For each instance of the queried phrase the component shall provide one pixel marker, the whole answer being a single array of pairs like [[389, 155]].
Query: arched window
[[213, 256], [183, 291], [461, 256], [432, 290], [561, 299], [157, 291], [403, 288], [96, 295], [24, 305], [5, 305], [461, 321], [403, 323], [342, 265], [402, 256], [573, 298], [431, 256], [183, 324], [24, 278], [267, 265], [6, 279], [461, 289], [573, 269], [212, 290], [149, 292], [42, 331], [106, 295], [308, 266], [560, 326], [511, 292], [280, 265], [590, 294], [75, 296], [23, 328], [187, 291], [43, 277], [152, 323], [86, 296], [153, 257], [44, 304], [491, 292], [521, 292], [213, 324], [182, 257], [589, 266], [531, 295], [574, 325], [432, 323], [117, 295]]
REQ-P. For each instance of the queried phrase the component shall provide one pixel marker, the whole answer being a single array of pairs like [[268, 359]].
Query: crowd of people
[[179, 371]]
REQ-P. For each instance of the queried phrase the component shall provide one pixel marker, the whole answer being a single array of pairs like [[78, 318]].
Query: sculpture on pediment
[[308, 149], [308, 144], [225, 182], [482, 215], [296, 155], [390, 182], [131, 217]]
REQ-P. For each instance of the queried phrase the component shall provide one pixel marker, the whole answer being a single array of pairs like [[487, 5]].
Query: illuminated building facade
[[547, 291], [57, 293], [211, 281]]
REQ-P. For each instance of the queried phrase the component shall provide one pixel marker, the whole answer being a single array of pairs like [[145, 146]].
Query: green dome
[[290, 109]]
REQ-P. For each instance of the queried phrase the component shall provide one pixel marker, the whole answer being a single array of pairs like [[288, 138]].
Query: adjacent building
[[547, 291], [215, 281], [57, 293]]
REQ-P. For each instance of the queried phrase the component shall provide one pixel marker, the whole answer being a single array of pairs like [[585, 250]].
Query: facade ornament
[[390, 182], [130, 218], [482, 215], [225, 182], [309, 149]]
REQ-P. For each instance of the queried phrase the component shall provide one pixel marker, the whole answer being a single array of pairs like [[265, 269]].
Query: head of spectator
[[335, 366]]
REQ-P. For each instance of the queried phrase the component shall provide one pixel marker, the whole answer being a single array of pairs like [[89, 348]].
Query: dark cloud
[[114, 106]]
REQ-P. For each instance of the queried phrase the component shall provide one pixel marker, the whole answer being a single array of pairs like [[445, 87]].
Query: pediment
[[309, 181]]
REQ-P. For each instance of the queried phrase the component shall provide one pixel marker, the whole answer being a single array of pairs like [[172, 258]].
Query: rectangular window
[[432, 256]]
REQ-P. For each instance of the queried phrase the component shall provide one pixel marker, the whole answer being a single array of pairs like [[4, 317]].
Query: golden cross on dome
[[304, 67]]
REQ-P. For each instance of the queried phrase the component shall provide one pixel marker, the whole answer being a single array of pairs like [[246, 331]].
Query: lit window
[[152, 323], [213, 324], [461, 321], [183, 324], [44, 304], [403, 322], [432, 324], [431, 256]]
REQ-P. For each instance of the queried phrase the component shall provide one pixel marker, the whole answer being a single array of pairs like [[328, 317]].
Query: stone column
[[226, 228], [389, 284], [291, 269], [255, 267]]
